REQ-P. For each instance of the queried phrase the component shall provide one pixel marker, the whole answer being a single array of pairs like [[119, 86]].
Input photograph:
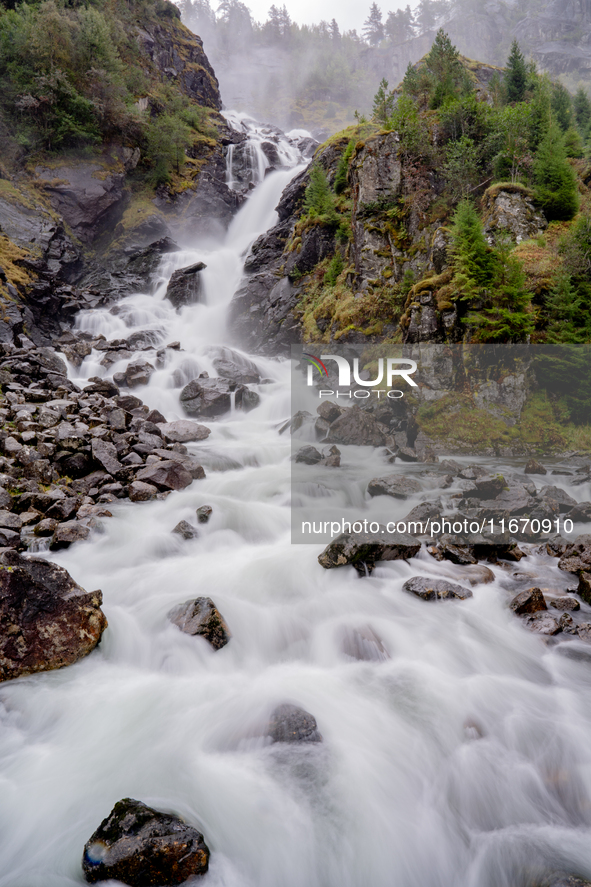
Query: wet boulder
[[557, 494], [185, 286], [140, 846], [183, 431], [396, 485], [577, 556], [308, 455], [527, 602], [67, 533], [204, 513], [543, 623], [213, 397], [47, 620], [290, 723], [534, 467], [565, 603], [138, 491], [201, 617], [231, 365], [185, 530], [363, 550], [358, 427], [435, 589], [166, 475]]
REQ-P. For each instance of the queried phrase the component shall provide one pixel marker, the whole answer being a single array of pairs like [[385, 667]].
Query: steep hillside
[[456, 215], [111, 139]]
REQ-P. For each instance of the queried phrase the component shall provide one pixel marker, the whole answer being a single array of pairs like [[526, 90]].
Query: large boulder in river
[[213, 397], [140, 846], [363, 550], [184, 287], [202, 617], [46, 619], [231, 365]]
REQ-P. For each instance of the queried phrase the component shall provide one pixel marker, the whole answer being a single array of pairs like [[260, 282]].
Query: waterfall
[[462, 760]]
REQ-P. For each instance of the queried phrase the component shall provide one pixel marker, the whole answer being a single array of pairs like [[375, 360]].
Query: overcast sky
[[348, 13]]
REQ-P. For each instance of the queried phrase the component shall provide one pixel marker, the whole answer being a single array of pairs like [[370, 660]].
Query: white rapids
[[462, 761]]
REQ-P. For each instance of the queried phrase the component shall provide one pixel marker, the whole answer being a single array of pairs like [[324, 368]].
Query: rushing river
[[462, 760]]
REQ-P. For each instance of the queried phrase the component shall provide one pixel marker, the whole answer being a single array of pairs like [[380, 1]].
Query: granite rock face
[[511, 212]]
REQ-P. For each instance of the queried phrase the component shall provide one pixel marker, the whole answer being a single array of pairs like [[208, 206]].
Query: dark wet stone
[[584, 589], [184, 529], [185, 287], [289, 723], [542, 623], [46, 619], [183, 431], [356, 426], [565, 603], [139, 491], [67, 533], [556, 546], [140, 846], [577, 557], [435, 589], [363, 550], [529, 601], [201, 617], [396, 485], [167, 475], [534, 467], [308, 455], [557, 494], [204, 512], [330, 411]]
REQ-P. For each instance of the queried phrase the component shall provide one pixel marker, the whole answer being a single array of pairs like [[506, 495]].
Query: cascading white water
[[253, 160], [461, 761]]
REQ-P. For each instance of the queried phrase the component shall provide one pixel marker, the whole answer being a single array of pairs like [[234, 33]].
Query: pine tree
[[470, 252], [319, 201], [383, 103], [400, 25], [516, 74], [334, 30], [563, 306], [445, 69], [373, 29], [573, 143], [582, 111], [555, 180], [562, 106]]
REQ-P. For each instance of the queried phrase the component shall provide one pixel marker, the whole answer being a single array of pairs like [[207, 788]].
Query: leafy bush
[[334, 269]]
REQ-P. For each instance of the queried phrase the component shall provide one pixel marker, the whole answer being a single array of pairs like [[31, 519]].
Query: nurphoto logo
[[387, 369]]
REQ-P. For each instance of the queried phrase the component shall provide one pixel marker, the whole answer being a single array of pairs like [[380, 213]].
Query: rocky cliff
[[73, 224]]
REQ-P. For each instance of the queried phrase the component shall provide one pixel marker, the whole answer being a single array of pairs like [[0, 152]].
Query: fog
[[317, 71]]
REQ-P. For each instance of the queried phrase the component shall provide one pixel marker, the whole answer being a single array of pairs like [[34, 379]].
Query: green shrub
[[340, 181]]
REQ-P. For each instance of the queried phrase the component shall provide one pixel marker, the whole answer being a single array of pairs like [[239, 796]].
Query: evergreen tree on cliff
[[373, 29], [554, 177], [516, 75]]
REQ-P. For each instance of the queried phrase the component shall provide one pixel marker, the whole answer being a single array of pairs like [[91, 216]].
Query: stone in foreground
[[363, 550], [435, 589], [577, 557], [202, 617], [143, 847], [46, 619], [289, 723], [184, 529]]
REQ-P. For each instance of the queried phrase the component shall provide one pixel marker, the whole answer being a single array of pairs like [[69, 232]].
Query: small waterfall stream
[[462, 760]]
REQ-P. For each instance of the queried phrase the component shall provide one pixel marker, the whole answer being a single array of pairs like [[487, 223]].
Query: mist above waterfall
[[317, 73]]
